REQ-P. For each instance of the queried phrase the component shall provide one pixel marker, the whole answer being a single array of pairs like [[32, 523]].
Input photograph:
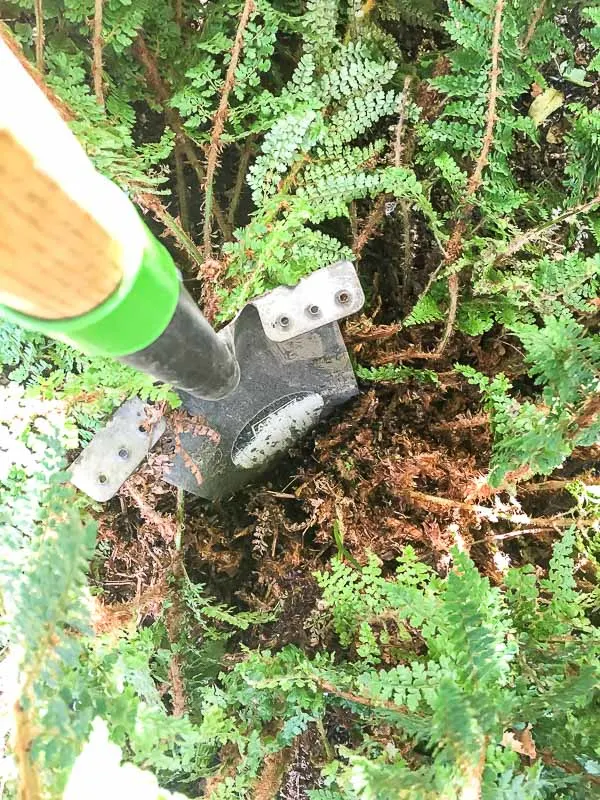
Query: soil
[[401, 464]]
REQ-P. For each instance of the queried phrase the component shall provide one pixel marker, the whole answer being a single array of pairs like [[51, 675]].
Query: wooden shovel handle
[[54, 258], [66, 234]]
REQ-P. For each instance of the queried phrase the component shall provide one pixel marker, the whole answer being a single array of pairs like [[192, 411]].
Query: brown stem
[[374, 219], [455, 245], [586, 416], [181, 188], [474, 774], [447, 503], [399, 136], [273, 770], [460, 424], [407, 258], [219, 125], [162, 523], [490, 118], [240, 180], [537, 15], [174, 120], [29, 779], [97, 51], [152, 204], [573, 769], [39, 34], [178, 11], [534, 233], [545, 486], [371, 224], [453, 287], [386, 705]]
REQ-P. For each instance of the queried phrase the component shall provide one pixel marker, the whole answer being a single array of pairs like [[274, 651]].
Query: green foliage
[[565, 362], [456, 677], [444, 665], [308, 170], [90, 388], [583, 141], [539, 286], [392, 374], [425, 673]]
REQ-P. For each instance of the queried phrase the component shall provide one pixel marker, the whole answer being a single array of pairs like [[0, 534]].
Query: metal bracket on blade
[[325, 296], [116, 451]]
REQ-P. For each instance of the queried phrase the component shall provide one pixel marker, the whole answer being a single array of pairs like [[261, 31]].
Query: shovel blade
[[294, 370], [285, 388]]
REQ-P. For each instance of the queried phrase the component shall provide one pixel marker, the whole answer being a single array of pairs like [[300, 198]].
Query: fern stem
[[474, 775], [178, 12], [454, 249], [537, 15], [39, 34], [586, 416], [162, 523], [182, 198], [361, 700], [376, 216], [534, 233], [372, 222], [570, 768], [453, 290], [399, 135], [219, 125], [152, 203], [240, 178], [180, 518], [175, 122], [493, 94], [430, 500], [29, 778], [97, 52]]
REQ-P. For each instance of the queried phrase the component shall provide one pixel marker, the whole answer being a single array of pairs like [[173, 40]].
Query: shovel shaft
[[78, 264], [189, 355]]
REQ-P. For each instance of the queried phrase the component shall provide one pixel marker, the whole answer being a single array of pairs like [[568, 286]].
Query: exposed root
[[97, 52]]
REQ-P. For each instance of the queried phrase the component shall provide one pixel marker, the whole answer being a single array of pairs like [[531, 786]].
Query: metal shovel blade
[[294, 370]]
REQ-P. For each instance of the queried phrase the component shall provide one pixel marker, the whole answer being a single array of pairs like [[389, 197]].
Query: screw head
[[343, 297], [123, 453], [102, 478], [313, 310], [284, 321]]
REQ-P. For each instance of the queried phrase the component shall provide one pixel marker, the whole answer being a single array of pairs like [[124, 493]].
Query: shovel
[[78, 264]]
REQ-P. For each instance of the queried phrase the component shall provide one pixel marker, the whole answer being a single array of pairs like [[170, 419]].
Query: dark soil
[[401, 464]]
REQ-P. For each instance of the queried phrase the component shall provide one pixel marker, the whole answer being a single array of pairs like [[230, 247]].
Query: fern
[[564, 361], [45, 558], [390, 373], [308, 171]]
